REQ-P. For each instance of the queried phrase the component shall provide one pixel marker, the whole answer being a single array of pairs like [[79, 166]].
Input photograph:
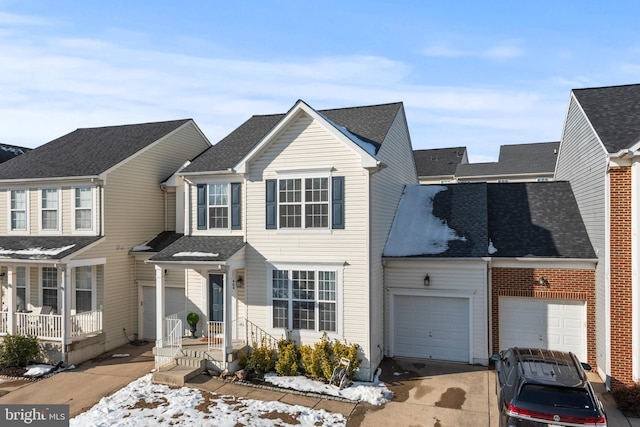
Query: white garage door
[[174, 302], [431, 327], [543, 323]]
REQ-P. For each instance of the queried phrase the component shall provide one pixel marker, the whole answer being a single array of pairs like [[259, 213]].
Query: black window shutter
[[271, 204], [337, 202], [236, 210], [202, 206]]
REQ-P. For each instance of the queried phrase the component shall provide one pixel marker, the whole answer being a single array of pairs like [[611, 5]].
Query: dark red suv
[[545, 388]]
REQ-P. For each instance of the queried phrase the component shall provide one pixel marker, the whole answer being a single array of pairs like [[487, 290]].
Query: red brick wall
[[562, 284], [620, 275]]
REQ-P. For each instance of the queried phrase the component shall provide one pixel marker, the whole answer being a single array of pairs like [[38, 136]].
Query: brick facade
[[561, 284], [620, 265]]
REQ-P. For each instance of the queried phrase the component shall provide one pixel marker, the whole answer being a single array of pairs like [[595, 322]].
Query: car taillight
[[516, 411]]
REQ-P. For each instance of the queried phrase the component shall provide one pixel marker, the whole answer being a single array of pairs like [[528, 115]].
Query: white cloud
[[501, 51]]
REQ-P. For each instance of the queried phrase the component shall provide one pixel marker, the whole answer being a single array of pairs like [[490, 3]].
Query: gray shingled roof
[[8, 152], [515, 159], [438, 161], [86, 152], [42, 247], [369, 123], [223, 247], [614, 112], [535, 219], [158, 243]]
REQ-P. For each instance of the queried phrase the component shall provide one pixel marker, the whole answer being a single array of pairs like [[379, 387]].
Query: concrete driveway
[[438, 394]]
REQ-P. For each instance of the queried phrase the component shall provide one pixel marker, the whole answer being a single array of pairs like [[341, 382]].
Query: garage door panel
[[545, 323], [438, 327], [174, 303]]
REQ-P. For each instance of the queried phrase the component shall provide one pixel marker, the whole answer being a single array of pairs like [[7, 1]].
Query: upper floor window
[[50, 209], [219, 206], [18, 209], [83, 208], [305, 203]]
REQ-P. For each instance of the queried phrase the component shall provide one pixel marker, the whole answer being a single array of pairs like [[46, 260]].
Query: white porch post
[[64, 309], [11, 300], [159, 303], [226, 313]]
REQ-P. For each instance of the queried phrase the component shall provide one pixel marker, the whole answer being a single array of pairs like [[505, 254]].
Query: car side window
[[511, 370]]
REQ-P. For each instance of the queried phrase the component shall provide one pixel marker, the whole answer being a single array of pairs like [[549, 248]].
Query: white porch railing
[[49, 326], [168, 347], [87, 322], [215, 335]]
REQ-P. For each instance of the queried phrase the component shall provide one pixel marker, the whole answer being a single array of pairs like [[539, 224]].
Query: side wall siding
[[583, 162]]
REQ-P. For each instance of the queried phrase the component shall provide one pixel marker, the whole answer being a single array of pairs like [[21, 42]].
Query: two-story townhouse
[[286, 220], [599, 155], [71, 211]]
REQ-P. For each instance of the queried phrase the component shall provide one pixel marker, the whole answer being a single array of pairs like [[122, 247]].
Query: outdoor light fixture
[[426, 280], [543, 281], [239, 283]]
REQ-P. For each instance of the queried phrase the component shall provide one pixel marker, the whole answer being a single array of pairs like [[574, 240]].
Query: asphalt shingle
[[200, 249], [438, 161]]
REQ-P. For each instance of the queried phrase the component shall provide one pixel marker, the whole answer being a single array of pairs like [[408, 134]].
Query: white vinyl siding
[[583, 161], [310, 147], [449, 279]]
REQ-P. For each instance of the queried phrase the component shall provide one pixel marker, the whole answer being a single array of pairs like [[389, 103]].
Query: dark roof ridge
[[607, 87], [134, 124]]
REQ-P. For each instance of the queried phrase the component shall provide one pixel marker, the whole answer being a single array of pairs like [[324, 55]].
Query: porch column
[[64, 309], [226, 313], [159, 303], [11, 300]]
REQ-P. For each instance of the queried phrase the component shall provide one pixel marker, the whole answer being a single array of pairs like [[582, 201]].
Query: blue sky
[[474, 74]]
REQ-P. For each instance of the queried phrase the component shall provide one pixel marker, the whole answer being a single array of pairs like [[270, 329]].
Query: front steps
[[182, 369]]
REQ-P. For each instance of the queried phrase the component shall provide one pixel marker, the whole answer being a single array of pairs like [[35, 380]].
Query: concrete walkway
[[83, 387]]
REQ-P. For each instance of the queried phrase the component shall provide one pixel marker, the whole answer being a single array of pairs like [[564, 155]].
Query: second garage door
[[174, 303], [543, 323], [431, 327]]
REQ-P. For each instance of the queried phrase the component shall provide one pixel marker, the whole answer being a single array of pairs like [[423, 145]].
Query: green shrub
[[349, 351], [628, 399], [193, 318], [287, 363], [18, 350], [320, 360], [242, 359], [262, 358]]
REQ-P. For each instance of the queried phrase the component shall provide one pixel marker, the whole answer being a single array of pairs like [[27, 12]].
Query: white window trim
[[41, 288], [28, 222], [59, 210], [86, 232], [228, 206], [94, 293], [305, 334], [27, 292], [302, 175]]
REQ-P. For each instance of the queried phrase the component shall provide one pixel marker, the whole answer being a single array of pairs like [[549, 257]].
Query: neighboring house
[[516, 163], [284, 227], [474, 268], [8, 152], [599, 156], [73, 208], [438, 165]]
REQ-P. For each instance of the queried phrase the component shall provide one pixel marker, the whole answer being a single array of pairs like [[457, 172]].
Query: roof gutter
[[56, 179], [220, 172]]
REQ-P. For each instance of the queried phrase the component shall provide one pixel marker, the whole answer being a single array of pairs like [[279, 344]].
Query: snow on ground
[[375, 393], [40, 370], [142, 403]]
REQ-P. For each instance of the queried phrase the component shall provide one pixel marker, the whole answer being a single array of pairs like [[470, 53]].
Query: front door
[[216, 297]]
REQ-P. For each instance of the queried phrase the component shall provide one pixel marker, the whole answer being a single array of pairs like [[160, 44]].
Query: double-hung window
[[219, 206], [83, 206], [84, 288], [50, 287], [21, 288], [305, 299], [50, 209], [18, 210], [314, 202]]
